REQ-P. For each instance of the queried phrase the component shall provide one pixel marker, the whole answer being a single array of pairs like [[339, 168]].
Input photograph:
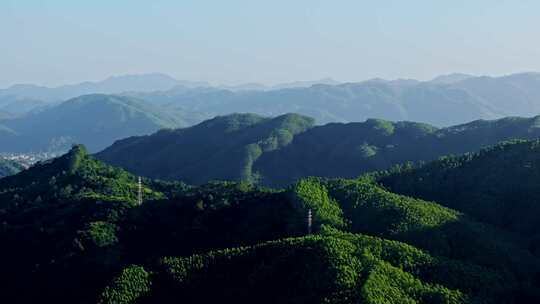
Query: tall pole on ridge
[[139, 194], [309, 221]]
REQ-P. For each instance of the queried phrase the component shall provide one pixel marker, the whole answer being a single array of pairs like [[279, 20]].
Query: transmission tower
[[309, 221], [139, 194]]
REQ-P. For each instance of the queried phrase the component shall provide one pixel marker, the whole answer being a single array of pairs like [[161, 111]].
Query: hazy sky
[[230, 41]]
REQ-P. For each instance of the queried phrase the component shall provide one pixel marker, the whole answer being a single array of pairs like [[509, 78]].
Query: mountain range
[[111, 85], [446, 100], [96, 120], [278, 151], [362, 244], [18, 97]]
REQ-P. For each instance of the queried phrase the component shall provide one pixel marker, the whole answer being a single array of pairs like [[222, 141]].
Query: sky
[[59, 42]]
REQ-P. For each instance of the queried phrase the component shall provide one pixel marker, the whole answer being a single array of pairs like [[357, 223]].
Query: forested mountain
[[244, 244], [223, 148], [277, 152], [447, 100], [498, 185], [346, 150], [460, 229], [95, 120], [8, 167]]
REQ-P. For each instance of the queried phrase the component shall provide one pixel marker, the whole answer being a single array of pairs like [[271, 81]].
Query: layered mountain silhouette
[[96, 120], [446, 100], [278, 151], [111, 85]]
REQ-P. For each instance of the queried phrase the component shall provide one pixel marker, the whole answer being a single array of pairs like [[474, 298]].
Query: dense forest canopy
[[223, 148], [249, 244], [279, 169], [498, 185], [278, 151]]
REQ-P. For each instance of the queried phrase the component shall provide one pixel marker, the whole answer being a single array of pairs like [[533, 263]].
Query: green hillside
[[359, 206], [301, 270], [348, 150], [277, 152], [96, 244], [497, 185], [469, 262], [223, 148]]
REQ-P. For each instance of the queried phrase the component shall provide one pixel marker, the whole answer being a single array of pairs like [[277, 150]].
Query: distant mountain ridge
[[451, 78], [150, 82], [96, 120], [447, 100], [22, 98], [111, 85], [287, 85], [210, 151], [444, 101]]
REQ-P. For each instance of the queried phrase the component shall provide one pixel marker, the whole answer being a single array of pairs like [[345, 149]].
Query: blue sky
[[57, 42]]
